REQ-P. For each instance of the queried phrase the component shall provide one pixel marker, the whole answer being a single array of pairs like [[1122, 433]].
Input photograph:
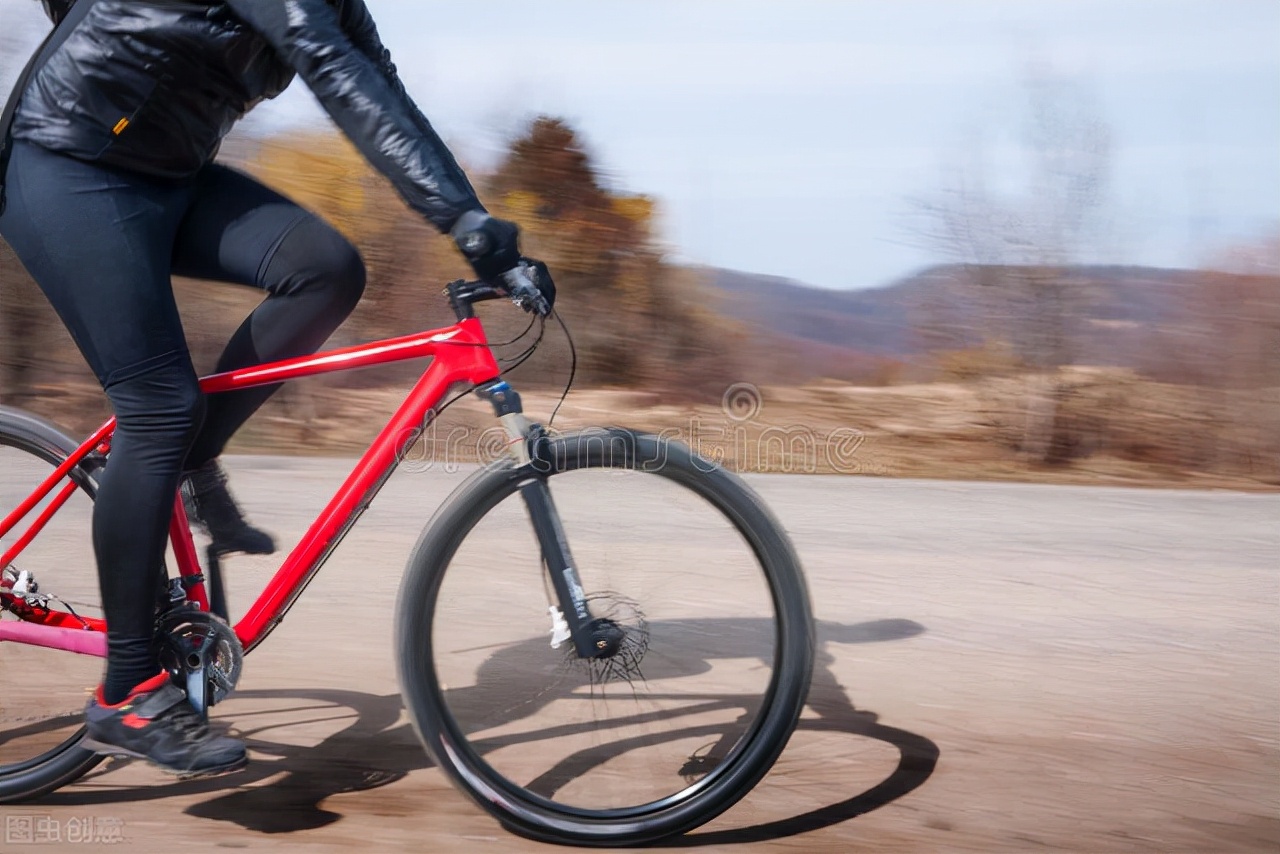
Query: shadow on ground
[[285, 788]]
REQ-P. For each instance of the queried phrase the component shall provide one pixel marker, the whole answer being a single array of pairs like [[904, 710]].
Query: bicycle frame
[[460, 355]]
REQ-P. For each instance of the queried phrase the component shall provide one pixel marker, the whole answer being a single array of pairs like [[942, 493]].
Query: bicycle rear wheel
[[697, 704], [43, 691]]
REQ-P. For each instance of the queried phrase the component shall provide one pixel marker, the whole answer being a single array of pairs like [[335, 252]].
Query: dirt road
[[1002, 668]]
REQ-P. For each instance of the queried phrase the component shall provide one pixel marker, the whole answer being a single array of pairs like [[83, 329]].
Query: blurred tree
[[325, 173], [1016, 244], [21, 325], [1228, 344], [550, 163], [22, 307], [638, 320]]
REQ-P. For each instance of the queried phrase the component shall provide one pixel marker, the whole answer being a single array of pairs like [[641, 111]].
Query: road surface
[[1002, 668]]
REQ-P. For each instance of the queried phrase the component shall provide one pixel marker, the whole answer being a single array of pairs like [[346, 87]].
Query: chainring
[[196, 642]]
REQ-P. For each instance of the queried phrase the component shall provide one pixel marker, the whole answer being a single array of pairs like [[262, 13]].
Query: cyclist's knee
[[315, 258]]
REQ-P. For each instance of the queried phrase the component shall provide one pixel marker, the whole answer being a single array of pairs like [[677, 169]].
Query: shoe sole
[[104, 749]]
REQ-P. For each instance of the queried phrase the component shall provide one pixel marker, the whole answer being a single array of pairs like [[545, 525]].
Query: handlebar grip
[[524, 290]]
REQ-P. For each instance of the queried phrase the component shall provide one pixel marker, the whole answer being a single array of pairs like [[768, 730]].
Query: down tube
[[355, 494]]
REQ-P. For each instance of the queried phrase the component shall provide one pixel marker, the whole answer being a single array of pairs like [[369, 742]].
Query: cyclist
[[111, 188]]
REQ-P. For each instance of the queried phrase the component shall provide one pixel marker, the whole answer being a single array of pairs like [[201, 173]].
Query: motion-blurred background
[[996, 239]]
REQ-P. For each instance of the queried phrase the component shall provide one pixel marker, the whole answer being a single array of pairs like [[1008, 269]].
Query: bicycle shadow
[[286, 792]]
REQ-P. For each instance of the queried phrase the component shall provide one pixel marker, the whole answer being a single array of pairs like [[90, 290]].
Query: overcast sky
[[789, 136]]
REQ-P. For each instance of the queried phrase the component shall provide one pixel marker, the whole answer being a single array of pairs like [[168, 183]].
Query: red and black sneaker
[[155, 722]]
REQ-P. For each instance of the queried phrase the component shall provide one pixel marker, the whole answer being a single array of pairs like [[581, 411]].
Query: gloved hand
[[492, 246], [537, 273]]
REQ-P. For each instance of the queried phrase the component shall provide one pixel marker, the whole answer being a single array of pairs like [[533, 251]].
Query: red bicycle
[[631, 688]]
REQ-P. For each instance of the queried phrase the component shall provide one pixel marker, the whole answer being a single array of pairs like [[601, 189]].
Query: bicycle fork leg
[[592, 638], [559, 565]]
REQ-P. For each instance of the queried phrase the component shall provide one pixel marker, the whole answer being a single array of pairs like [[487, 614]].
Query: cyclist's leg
[[238, 230], [98, 242]]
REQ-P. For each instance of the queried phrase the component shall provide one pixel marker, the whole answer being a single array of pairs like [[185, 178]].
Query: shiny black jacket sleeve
[[340, 57], [57, 9]]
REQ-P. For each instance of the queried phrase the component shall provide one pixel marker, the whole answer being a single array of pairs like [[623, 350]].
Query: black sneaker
[[156, 723], [211, 508]]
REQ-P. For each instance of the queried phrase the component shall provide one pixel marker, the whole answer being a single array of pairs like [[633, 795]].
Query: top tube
[[462, 349]]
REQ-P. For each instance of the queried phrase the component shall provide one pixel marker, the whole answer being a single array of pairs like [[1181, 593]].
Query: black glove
[[492, 246]]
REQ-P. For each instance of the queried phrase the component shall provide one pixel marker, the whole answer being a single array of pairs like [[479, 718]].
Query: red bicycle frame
[[460, 356]]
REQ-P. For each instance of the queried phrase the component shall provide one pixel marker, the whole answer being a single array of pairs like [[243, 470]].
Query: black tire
[[64, 762], [748, 759]]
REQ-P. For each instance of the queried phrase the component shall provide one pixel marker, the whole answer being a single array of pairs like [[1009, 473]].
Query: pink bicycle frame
[[460, 356]]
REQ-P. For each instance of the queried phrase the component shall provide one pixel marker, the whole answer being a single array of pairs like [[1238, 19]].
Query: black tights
[[102, 244]]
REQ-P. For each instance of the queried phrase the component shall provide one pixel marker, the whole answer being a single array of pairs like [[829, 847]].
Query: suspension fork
[[592, 637]]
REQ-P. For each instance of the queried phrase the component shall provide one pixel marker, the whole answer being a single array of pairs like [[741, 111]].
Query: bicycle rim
[[657, 738], [43, 691]]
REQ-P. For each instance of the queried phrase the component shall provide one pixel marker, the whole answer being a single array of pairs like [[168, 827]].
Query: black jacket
[[154, 85]]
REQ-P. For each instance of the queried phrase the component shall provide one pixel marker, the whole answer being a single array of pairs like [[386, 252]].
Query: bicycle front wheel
[[696, 704]]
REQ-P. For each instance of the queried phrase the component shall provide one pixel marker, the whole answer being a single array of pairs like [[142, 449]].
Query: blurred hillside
[[996, 369], [1129, 317]]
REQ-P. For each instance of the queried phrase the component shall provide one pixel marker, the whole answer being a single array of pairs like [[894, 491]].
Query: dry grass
[[1124, 430]]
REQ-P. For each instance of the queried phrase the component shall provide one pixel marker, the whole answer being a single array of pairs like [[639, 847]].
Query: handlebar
[[518, 286]]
